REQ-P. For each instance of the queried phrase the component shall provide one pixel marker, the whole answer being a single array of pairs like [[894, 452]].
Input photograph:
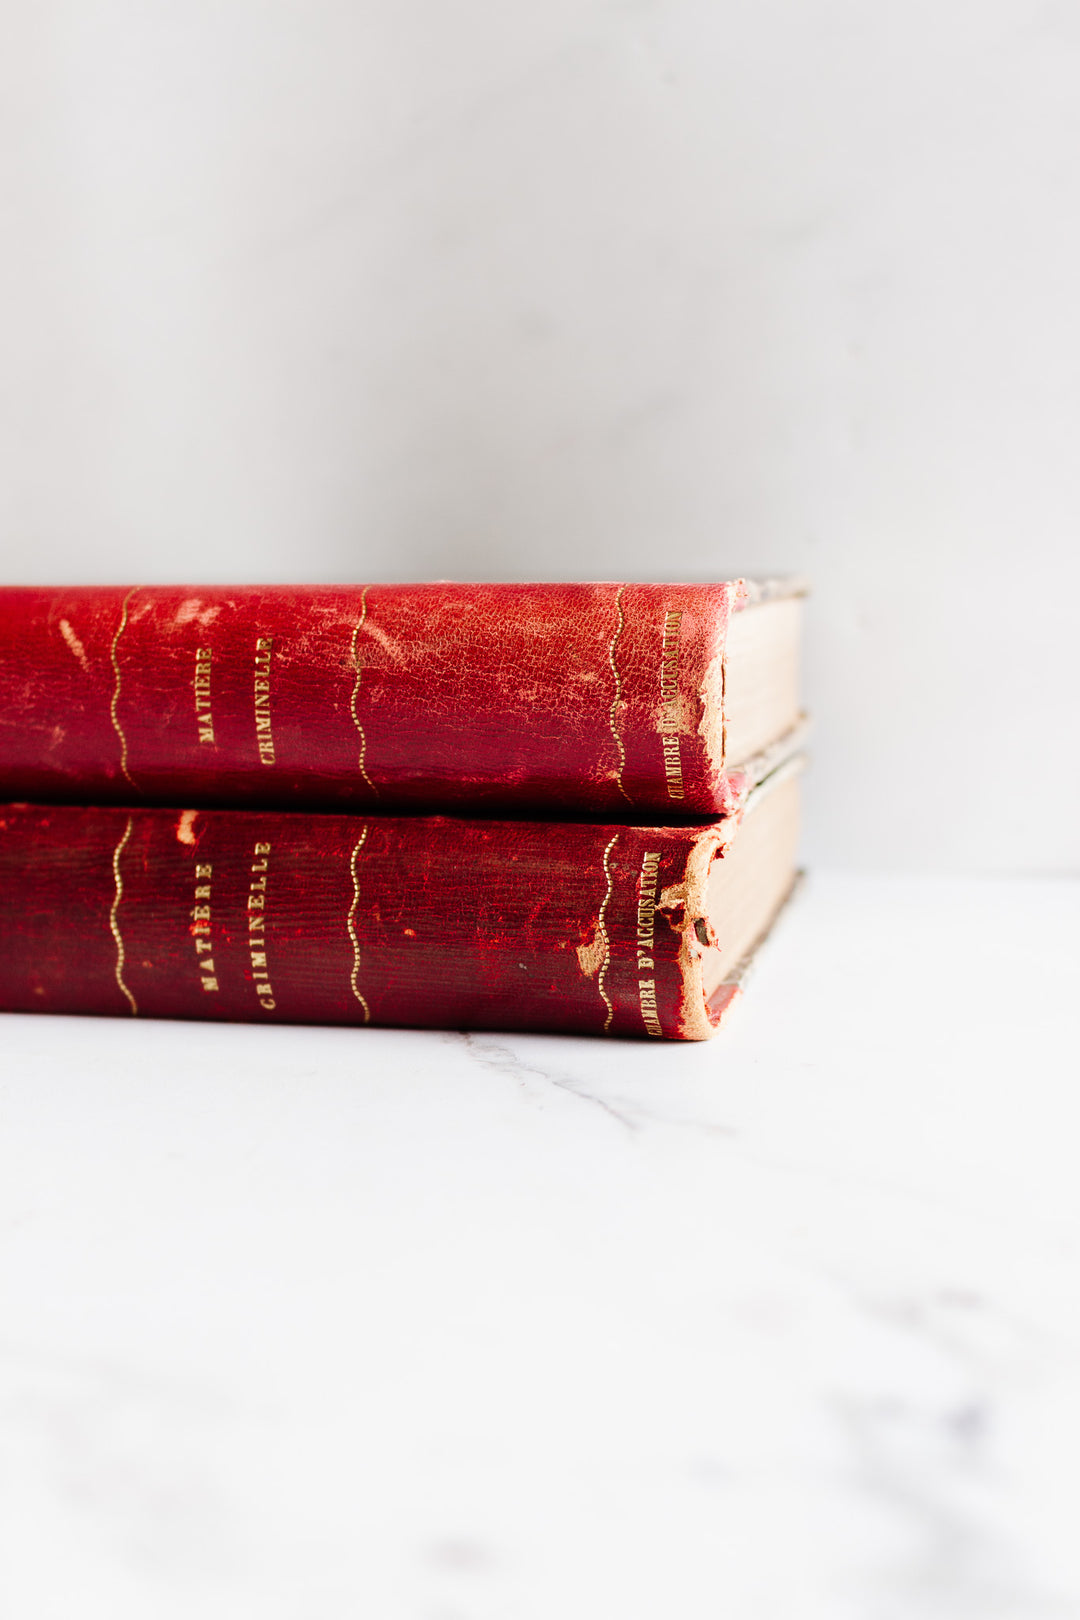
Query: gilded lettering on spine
[[113, 715], [256, 909], [204, 718], [264, 728], [114, 924], [669, 695], [201, 926], [357, 847], [646, 939]]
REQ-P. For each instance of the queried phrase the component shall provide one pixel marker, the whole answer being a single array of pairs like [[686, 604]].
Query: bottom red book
[[411, 921]]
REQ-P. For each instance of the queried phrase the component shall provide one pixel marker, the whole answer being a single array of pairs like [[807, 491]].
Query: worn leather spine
[[599, 700], [419, 921]]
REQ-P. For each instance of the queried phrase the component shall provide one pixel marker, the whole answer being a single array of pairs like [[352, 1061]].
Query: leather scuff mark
[[185, 827], [191, 609], [74, 644], [672, 897], [592, 955]]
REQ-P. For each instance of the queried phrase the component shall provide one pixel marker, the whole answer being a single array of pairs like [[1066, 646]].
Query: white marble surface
[[439, 1327]]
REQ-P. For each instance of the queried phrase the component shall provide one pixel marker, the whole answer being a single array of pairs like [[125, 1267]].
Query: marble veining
[[449, 1326]]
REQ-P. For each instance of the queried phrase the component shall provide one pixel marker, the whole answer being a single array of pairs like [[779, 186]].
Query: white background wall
[[589, 288]]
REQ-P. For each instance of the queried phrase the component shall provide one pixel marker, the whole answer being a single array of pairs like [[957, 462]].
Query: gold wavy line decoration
[[352, 926], [117, 727], [601, 929], [359, 668], [114, 925], [617, 699]]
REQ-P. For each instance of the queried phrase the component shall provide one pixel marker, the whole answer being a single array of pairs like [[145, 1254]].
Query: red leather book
[[424, 921], [625, 701]]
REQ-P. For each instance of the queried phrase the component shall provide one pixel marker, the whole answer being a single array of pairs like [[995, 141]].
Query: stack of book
[[531, 807]]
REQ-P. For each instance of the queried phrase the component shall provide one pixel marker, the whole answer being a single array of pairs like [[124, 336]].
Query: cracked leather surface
[[419, 921], [499, 698]]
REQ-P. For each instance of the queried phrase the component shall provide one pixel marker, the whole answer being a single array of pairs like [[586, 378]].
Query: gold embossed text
[[201, 926], [264, 735], [203, 716], [646, 931], [256, 908], [669, 696]]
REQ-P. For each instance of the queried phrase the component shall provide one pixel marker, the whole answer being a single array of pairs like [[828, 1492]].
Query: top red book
[[604, 699]]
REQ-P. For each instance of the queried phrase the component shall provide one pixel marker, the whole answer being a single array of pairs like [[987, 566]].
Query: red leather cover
[[271, 916], [592, 699]]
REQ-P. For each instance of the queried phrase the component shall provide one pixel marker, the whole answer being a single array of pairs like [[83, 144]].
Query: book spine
[[576, 699], [412, 921]]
